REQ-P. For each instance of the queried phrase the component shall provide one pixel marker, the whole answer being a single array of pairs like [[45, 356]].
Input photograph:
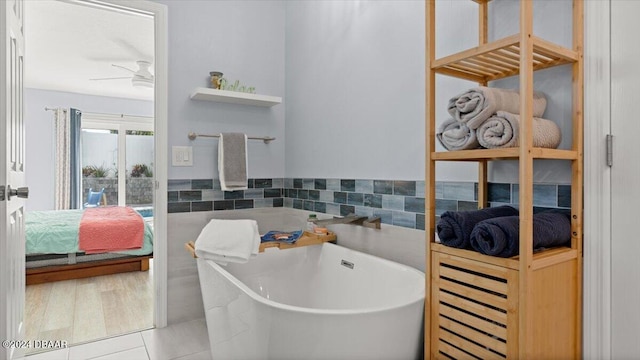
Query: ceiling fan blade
[[125, 68], [133, 50], [113, 78], [110, 59]]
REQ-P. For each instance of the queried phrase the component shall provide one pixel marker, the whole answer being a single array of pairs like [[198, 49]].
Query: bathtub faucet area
[[352, 219]]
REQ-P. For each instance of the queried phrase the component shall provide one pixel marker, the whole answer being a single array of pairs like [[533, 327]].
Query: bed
[[53, 248]]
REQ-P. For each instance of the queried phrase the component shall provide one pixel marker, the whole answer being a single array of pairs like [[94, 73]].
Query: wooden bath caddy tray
[[306, 239]]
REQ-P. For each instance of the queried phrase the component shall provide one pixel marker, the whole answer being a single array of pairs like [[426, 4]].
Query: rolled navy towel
[[501, 236], [454, 227]]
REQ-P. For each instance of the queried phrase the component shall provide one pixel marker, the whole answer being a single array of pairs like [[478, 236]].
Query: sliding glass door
[[117, 155], [99, 161], [139, 168]]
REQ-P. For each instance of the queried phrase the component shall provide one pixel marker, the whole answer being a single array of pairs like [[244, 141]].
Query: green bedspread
[[56, 232]]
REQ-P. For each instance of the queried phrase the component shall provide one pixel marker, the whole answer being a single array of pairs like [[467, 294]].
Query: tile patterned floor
[[82, 310], [182, 341]]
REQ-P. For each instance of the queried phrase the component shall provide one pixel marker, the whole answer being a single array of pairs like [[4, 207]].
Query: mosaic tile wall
[[396, 202], [205, 195]]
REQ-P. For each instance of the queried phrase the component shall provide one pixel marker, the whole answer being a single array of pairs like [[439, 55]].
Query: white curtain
[[63, 160]]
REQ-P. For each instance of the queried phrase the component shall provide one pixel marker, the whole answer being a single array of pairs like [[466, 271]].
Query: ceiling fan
[[140, 78]]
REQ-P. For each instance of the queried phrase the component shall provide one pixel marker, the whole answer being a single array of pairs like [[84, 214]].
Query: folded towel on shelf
[[228, 241], [232, 161], [502, 130], [476, 105], [456, 135], [501, 236], [284, 236], [454, 227]]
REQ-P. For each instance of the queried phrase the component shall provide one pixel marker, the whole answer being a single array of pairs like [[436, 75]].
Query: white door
[[625, 181], [12, 246]]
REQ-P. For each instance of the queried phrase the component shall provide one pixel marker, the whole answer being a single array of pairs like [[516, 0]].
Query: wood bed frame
[[87, 269]]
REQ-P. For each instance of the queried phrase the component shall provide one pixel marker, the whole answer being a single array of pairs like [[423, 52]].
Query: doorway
[[157, 14]]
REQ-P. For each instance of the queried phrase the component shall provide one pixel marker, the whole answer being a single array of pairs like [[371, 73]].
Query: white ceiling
[[68, 44]]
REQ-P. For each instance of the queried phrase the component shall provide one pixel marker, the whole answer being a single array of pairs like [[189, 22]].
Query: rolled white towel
[[456, 135], [476, 105], [228, 241], [502, 130]]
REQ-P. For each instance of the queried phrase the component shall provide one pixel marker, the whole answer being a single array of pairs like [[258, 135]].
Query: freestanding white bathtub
[[313, 302]]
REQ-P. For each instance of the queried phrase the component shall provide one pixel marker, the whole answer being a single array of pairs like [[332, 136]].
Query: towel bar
[[266, 139]]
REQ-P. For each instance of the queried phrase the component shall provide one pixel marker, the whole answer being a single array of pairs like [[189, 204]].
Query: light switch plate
[[182, 156]]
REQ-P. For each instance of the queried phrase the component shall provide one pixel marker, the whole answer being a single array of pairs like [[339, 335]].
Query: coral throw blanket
[[114, 228]]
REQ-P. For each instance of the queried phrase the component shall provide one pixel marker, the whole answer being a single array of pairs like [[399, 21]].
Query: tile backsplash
[[205, 195], [396, 202]]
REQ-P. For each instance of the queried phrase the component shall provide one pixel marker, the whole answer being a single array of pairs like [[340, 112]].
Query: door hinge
[[2, 191], [609, 150]]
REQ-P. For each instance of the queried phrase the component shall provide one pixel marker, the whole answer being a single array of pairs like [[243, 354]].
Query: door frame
[[597, 182], [159, 13]]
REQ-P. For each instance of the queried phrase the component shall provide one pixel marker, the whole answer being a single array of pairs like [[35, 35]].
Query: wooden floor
[[84, 310]]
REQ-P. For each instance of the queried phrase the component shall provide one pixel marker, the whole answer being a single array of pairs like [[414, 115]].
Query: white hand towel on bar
[[226, 241], [232, 161]]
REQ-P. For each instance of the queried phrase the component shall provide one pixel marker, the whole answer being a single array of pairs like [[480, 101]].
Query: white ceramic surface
[[304, 304]]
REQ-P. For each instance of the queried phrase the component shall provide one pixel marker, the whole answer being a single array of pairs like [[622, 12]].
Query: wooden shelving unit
[[527, 306], [234, 97]]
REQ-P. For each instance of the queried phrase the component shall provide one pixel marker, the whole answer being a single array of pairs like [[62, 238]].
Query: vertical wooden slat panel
[[432, 332], [430, 177], [577, 165], [483, 37], [513, 339], [483, 186], [483, 25], [526, 177]]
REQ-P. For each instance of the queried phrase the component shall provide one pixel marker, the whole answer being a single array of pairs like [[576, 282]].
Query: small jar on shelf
[[216, 79]]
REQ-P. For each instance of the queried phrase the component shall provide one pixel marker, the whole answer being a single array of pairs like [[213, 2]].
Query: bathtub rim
[[367, 310]]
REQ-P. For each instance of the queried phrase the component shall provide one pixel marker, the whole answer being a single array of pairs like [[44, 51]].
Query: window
[[117, 155]]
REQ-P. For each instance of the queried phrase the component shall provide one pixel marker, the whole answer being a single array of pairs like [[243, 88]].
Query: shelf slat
[[234, 97], [500, 58], [540, 259], [474, 255], [503, 153]]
